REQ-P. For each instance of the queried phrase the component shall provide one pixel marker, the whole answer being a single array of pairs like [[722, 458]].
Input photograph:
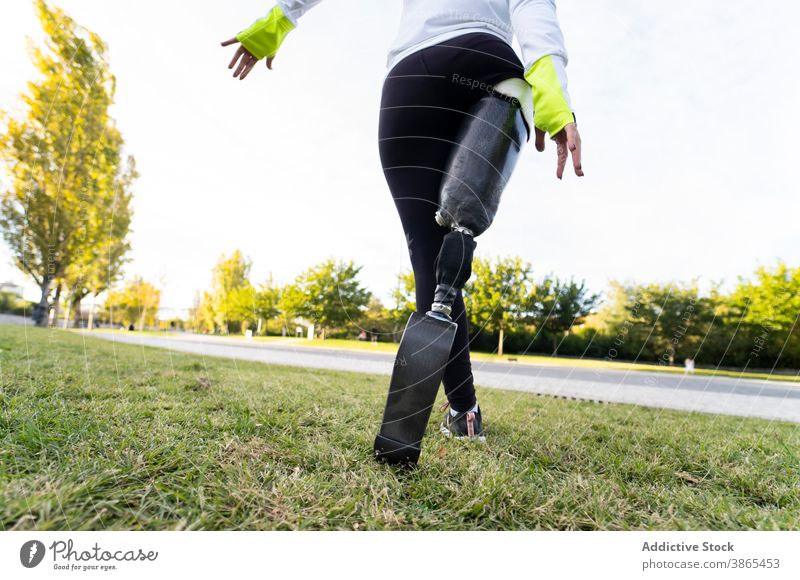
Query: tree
[[266, 302], [137, 303], [666, 316], [63, 156], [768, 309], [496, 298], [558, 305], [106, 246], [377, 319], [290, 301], [613, 322], [773, 299], [206, 313], [201, 315], [241, 307], [232, 294], [331, 295]]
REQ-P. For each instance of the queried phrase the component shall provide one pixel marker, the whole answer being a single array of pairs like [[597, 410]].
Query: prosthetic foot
[[479, 167], [418, 369]]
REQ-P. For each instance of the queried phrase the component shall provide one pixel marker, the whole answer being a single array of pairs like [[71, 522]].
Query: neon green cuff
[[265, 36], [551, 110]]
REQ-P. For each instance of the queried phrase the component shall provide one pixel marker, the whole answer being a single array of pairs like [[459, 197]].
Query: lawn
[[97, 435]]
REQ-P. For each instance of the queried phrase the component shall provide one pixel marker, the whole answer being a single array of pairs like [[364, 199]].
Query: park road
[[707, 394]]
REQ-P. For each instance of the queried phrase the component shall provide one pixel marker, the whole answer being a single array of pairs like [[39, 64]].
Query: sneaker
[[464, 425]]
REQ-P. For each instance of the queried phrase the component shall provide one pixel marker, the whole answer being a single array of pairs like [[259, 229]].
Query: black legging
[[425, 98]]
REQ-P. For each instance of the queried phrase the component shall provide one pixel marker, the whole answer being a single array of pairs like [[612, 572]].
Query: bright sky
[[687, 109]]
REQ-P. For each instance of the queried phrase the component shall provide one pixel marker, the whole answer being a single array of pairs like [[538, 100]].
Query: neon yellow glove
[[265, 36], [551, 109]]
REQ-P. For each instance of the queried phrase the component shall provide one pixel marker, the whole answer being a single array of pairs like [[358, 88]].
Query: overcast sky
[[687, 109]]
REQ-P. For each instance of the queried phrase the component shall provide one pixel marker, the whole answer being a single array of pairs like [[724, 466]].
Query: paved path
[[14, 319], [730, 396]]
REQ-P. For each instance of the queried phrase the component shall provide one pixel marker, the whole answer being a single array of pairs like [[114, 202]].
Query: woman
[[448, 55]]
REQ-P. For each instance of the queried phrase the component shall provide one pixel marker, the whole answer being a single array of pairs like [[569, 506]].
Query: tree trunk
[[91, 313], [56, 305], [76, 305], [66, 315], [40, 310], [555, 344], [500, 340]]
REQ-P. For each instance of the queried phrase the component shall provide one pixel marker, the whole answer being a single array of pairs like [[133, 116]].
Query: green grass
[[523, 358], [97, 435]]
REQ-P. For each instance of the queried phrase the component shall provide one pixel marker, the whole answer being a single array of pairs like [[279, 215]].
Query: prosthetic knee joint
[[480, 165]]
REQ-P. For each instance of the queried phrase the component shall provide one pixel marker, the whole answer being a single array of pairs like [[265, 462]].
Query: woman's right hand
[[246, 60], [568, 142]]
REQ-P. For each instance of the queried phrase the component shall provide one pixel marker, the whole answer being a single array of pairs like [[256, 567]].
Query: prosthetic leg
[[481, 163]]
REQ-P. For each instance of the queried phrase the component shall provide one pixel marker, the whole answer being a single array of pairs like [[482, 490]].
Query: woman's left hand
[[568, 141]]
